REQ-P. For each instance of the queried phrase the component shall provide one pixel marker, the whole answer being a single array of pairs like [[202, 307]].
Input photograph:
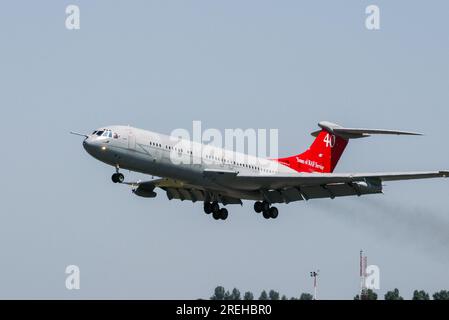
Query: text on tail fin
[[322, 155]]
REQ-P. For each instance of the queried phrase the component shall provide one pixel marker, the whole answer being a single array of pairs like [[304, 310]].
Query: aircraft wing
[[179, 190], [304, 186], [394, 176], [283, 188], [308, 179]]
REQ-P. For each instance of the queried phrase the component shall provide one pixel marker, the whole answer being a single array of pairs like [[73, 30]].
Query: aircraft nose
[[87, 144], [93, 145]]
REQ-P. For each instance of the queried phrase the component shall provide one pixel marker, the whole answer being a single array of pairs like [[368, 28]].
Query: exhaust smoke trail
[[420, 228]]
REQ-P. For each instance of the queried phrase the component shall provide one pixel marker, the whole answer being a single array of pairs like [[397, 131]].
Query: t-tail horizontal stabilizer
[[355, 133]]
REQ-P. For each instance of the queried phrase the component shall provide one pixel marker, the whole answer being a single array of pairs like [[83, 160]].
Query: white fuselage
[[170, 157]]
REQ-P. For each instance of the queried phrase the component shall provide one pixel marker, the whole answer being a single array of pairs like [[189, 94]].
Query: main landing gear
[[217, 212], [267, 211], [117, 177]]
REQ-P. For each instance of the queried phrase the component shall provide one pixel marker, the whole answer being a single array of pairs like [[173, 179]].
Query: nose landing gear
[[117, 177]]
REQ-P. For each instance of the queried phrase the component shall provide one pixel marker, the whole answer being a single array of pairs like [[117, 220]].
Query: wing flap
[[183, 191], [332, 191]]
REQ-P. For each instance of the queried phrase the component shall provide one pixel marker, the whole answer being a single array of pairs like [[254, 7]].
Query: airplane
[[217, 176]]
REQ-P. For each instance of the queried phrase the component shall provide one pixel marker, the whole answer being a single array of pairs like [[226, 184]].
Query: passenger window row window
[[178, 149], [170, 147], [214, 158], [155, 144], [239, 164]]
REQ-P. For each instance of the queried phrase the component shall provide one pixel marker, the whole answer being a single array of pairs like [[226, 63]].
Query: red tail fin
[[322, 155], [330, 142]]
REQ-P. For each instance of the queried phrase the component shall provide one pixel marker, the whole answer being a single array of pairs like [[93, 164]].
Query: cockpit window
[[106, 133]]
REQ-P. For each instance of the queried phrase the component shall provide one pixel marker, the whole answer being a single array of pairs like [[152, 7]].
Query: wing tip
[[444, 173], [412, 133]]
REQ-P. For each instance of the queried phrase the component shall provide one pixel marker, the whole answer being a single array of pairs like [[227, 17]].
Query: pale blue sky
[[159, 65]]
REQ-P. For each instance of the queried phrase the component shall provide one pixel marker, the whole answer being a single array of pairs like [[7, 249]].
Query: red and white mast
[[363, 264], [314, 275]]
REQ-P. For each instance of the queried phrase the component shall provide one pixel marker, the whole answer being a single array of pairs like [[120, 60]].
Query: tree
[[263, 295], [274, 295], [219, 293], [420, 295], [441, 295], [393, 295], [227, 295], [284, 297], [235, 295], [248, 296], [368, 295], [306, 296]]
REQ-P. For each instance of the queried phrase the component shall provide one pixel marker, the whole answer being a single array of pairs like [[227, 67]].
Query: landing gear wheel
[[216, 215], [266, 214], [265, 206], [258, 206], [273, 212], [118, 178], [215, 207], [223, 213], [207, 208]]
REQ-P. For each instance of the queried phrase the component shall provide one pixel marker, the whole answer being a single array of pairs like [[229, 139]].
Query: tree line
[[395, 295], [220, 293]]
